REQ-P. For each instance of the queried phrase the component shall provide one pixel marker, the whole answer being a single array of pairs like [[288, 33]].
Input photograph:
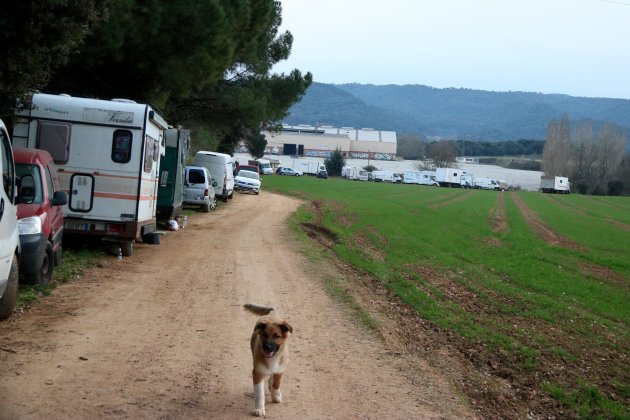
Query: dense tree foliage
[[413, 146], [37, 37], [203, 63], [410, 146], [334, 163], [256, 144]]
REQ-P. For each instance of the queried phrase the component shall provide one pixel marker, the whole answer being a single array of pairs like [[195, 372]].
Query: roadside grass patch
[[528, 309], [74, 264]]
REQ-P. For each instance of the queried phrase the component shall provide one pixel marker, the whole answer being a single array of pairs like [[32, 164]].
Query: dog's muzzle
[[270, 349]]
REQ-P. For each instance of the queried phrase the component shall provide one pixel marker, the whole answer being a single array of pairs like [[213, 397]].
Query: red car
[[40, 214]]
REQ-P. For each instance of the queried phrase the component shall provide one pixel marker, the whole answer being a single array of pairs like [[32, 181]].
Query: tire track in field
[[496, 215], [617, 223], [454, 200], [540, 228]]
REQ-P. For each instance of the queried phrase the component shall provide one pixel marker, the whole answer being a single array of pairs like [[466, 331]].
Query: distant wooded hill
[[458, 114]]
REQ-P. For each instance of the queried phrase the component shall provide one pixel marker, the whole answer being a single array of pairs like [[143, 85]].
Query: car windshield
[[248, 174], [30, 187]]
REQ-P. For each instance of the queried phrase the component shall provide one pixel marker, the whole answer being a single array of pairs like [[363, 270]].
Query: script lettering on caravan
[[107, 116]]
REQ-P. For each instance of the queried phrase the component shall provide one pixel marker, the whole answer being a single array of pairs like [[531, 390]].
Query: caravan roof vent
[[128, 101]]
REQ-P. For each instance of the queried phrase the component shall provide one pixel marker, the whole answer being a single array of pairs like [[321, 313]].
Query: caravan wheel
[[127, 248]]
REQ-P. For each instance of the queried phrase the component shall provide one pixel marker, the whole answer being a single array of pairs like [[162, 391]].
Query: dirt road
[[163, 335]]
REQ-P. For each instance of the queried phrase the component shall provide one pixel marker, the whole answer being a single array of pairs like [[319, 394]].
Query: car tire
[[205, 207], [44, 274], [7, 301], [59, 256]]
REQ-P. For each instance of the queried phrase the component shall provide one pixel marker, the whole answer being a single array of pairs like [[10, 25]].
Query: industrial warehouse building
[[321, 141]]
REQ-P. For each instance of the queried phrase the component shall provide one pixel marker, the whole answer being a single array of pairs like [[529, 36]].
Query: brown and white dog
[[270, 354]]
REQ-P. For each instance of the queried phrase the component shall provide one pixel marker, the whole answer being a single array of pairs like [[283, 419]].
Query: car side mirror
[[60, 198], [215, 184]]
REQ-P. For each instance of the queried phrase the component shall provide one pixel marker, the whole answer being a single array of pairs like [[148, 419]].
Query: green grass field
[[541, 282]]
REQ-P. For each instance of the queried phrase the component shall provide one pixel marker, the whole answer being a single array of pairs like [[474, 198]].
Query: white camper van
[[9, 235], [355, 173], [420, 178], [107, 155], [386, 176], [221, 166]]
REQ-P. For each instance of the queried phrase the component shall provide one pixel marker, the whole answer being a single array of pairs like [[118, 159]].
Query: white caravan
[[420, 178], [221, 166], [354, 173], [108, 158]]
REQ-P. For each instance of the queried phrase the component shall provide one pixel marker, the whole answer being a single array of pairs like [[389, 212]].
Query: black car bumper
[[33, 251]]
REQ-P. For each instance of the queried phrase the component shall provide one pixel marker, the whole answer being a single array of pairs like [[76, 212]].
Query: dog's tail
[[258, 310]]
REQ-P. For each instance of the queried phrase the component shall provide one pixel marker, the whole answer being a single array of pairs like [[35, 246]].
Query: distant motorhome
[[420, 178]]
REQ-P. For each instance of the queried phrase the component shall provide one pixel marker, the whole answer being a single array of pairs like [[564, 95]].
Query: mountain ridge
[[450, 113]]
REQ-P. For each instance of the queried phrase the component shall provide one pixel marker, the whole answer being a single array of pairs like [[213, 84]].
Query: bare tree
[[556, 152], [612, 144], [443, 153], [583, 156]]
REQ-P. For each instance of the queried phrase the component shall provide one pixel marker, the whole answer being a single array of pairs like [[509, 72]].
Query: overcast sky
[[575, 47]]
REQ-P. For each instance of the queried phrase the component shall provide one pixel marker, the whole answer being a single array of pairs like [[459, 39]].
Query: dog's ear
[[260, 326], [284, 326]]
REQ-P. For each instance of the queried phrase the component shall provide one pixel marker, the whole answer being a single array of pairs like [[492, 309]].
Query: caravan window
[[151, 153], [121, 146], [54, 137], [8, 168]]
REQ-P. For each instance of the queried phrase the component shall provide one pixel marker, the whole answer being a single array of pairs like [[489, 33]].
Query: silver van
[[199, 188], [9, 234]]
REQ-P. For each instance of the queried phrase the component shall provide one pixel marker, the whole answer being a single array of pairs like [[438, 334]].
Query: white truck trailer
[[305, 165], [449, 177], [108, 159], [555, 184]]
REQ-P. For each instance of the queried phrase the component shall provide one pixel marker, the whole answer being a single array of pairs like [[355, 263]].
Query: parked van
[[386, 176], [264, 166], [487, 184], [108, 159], [40, 214], [199, 188], [221, 166], [9, 236]]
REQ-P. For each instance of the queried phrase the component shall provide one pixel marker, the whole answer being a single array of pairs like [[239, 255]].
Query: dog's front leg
[[274, 388], [259, 394]]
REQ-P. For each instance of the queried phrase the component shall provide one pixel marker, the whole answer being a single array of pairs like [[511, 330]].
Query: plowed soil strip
[[543, 230], [497, 215]]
